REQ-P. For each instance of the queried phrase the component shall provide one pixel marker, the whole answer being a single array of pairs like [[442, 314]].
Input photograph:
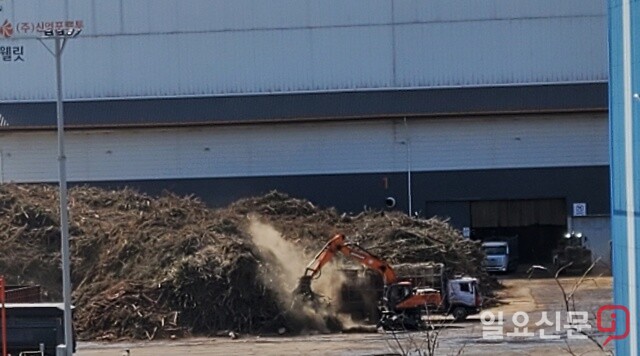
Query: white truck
[[501, 254]]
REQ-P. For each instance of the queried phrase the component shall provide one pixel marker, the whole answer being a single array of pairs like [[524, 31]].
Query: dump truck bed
[[23, 294], [30, 325]]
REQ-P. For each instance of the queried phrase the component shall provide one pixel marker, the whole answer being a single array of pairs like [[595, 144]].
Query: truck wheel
[[459, 313]]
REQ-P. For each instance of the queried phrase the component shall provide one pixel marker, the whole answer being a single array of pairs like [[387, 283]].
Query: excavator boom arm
[[338, 244], [324, 256]]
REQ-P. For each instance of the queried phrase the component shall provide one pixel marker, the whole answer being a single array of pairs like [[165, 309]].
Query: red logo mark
[[6, 30], [613, 323]]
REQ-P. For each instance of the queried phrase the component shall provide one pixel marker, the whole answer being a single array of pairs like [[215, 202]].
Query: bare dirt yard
[[535, 298]]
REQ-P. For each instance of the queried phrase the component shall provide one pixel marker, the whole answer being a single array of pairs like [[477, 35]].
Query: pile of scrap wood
[[154, 267]]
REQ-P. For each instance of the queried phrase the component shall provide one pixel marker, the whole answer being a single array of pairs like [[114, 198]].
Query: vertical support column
[[64, 206], [408, 144], [625, 167]]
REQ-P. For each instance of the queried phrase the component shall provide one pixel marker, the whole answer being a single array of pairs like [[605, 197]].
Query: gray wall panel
[[526, 50], [334, 147], [170, 48], [464, 10]]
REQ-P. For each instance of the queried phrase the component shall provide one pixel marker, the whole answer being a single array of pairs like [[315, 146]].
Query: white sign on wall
[[579, 209]]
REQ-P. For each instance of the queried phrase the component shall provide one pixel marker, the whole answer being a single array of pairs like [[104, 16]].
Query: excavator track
[[401, 322]]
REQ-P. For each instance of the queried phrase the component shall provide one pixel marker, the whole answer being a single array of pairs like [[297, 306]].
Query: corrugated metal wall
[[310, 148], [155, 48]]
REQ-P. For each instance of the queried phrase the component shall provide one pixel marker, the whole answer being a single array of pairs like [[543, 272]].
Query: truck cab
[[497, 256], [500, 256], [463, 297]]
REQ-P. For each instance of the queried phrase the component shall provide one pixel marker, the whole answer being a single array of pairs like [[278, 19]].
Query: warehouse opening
[[538, 225]]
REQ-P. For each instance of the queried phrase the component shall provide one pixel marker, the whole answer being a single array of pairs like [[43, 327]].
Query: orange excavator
[[402, 304]]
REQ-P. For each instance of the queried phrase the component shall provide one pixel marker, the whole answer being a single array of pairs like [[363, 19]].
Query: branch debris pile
[[161, 267]]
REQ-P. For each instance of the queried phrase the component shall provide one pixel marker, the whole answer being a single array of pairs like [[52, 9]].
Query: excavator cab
[[396, 293]]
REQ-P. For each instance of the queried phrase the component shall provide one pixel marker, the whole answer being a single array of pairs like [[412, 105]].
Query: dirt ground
[[532, 296]]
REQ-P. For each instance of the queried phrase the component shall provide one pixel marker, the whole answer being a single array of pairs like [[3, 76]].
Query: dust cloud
[[277, 250], [292, 263]]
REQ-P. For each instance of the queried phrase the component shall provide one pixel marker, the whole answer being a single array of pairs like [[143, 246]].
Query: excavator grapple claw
[[304, 288]]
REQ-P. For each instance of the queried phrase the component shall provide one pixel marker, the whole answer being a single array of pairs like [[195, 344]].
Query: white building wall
[[310, 148], [166, 48]]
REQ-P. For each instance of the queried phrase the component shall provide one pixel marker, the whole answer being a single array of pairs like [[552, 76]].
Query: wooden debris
[[166, 267]]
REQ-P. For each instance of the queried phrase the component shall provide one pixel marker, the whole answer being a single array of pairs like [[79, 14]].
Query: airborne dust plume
[[291, 263]]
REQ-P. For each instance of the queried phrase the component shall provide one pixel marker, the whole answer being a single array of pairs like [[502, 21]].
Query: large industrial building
[[492, 113]]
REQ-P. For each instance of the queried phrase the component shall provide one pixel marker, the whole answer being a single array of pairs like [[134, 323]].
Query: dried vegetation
[[155, 267]]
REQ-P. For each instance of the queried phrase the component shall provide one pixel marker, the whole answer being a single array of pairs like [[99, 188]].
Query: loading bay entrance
[[538, 224]]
